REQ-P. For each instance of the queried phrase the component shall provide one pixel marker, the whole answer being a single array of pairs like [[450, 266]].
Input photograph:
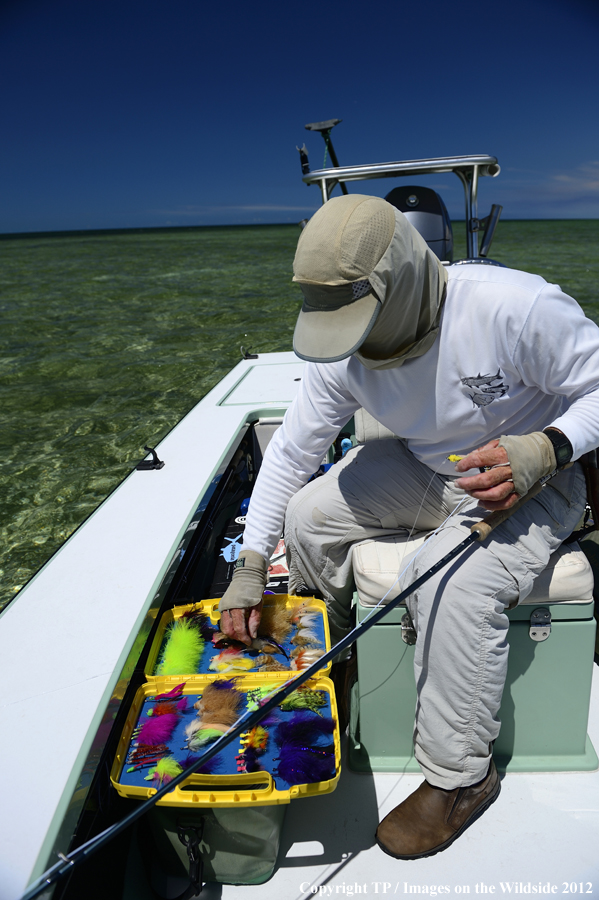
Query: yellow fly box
[[301, 633], [158, 727]]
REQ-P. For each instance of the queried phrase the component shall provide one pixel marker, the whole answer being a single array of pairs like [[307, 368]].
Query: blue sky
[[139, 113]]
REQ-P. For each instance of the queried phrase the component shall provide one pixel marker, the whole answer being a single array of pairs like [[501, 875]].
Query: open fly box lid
[[259, 769], [301, 633]]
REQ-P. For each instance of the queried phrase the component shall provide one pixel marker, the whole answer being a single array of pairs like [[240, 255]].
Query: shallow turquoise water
[[107, 339]]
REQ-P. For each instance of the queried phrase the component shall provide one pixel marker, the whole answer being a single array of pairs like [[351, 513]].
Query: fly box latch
[[540, 624]]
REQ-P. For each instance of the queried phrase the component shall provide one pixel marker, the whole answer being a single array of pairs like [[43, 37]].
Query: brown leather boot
[[431, 819]]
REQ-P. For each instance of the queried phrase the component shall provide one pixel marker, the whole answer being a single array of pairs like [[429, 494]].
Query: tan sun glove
[[531, 456], [248, 582]]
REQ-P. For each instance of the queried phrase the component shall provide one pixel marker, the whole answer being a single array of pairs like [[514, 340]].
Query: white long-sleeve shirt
[[514, 355]]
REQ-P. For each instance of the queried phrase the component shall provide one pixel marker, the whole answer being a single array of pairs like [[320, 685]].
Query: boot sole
[[434, 850]]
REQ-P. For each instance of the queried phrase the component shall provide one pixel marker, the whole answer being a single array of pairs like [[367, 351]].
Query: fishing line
[[431, 534], [462, 502]]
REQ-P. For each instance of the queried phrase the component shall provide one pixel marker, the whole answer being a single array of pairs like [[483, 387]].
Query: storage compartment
[[545, 706]]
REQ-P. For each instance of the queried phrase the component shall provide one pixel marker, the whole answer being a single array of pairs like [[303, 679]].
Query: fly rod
[[478, 532]]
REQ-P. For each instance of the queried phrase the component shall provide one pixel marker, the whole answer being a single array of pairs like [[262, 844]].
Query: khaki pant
[[378, 489]]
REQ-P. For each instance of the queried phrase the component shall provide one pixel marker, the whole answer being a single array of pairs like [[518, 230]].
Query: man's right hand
[[241, 605]]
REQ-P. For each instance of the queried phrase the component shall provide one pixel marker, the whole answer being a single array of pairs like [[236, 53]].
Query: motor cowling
[[425, 210]]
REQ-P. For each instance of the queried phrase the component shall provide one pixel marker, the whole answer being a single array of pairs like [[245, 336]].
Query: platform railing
[[467, 168]]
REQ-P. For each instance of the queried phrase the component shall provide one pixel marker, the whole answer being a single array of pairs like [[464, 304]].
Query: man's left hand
[[493, 488]]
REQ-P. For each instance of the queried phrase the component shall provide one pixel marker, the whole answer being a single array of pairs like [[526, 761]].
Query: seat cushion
[[370, 429], [567, 579]]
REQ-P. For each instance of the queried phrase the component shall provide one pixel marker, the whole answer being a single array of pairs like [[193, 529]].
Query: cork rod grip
[[486, 525]]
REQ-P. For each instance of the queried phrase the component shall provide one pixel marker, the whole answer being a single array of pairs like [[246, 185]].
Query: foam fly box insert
[[292, 633], [261, 768]]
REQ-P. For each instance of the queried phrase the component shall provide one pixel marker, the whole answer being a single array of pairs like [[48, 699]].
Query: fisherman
[[485, 362]]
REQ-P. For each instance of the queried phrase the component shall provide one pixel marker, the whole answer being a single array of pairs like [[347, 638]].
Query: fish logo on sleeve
[[483, 389]]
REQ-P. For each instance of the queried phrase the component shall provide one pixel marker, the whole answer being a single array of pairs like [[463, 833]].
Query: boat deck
[[543, 829]]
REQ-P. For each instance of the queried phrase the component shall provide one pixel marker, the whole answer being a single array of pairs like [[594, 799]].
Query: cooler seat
[[545, 706]]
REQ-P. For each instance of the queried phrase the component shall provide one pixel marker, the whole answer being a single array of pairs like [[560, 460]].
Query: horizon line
[[69, 232]]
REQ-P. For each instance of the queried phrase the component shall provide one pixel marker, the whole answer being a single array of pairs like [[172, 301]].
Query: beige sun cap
[[337, 252]]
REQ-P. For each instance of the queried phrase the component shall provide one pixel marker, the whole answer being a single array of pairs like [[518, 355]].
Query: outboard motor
[[425, 210]]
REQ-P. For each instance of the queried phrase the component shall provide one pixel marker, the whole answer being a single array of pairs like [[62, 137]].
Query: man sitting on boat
[[450, 360]]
